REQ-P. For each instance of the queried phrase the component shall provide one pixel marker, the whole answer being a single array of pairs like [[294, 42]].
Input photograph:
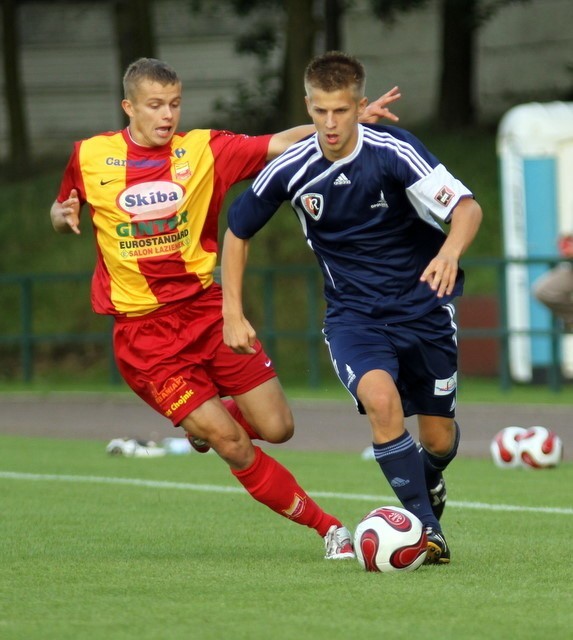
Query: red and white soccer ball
[[539, 448], [390, 539], [504, 447], [536, 447]]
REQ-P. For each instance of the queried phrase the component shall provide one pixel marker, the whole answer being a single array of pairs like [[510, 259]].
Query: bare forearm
[[442, 271], [465, 223], [238, 334], [281, 141], [233, 263]]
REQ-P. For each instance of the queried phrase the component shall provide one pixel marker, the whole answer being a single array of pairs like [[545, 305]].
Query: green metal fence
[[288, 325], [20, 327]]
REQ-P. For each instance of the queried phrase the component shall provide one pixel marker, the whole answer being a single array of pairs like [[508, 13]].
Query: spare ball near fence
[[534, 447]]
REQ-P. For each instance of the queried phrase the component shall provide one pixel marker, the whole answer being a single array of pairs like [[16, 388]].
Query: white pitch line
[[213, 488], [484, 506]]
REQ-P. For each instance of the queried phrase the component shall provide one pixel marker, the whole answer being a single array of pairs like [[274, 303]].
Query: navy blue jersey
[[370, 219]]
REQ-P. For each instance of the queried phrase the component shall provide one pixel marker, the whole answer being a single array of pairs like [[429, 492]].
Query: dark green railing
[[503, 333], [274, 313], [26, 337]]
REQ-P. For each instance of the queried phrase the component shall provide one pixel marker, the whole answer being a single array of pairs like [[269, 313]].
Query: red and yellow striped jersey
[[155, 212]]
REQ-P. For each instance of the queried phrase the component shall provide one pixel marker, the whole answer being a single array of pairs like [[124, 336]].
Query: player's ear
[[362, 104], [127, 107], [307, 102]]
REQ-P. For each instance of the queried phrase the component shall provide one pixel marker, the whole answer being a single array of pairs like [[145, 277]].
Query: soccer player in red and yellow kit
[[154, 196]]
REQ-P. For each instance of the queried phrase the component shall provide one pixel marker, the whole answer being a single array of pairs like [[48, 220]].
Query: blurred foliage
[[388, 11]]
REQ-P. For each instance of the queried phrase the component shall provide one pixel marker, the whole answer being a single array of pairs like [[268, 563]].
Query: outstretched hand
[[70, 211], [379, 108]]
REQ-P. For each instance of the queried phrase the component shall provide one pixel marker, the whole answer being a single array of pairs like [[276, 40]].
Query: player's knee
[[234, 447], [382, 408], [279, 428], [439, 437], [439, 448]]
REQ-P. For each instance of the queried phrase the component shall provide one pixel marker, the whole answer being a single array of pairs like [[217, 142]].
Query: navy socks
[[403, 467]]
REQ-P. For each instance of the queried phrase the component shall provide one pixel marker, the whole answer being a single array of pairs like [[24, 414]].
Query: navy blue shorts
[[420, 355]]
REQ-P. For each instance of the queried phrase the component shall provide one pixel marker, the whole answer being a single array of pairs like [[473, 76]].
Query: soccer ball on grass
[[539, 448], [390, 539], [536, 447], [504, 447]]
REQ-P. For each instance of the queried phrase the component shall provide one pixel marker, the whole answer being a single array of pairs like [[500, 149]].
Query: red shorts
[[175, 358]]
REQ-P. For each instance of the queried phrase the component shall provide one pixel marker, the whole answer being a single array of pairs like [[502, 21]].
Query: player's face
[[154, 113], [335, 115]]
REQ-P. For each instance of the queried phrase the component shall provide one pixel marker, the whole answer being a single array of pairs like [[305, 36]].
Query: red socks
[[274, 486]]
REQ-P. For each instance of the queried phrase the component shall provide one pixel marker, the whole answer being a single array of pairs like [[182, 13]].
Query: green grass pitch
[[95, 547]]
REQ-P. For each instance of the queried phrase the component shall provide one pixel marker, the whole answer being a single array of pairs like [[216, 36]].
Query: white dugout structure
[[535, 149]]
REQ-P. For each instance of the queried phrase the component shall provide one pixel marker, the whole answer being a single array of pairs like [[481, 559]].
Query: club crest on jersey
[[312, 203], [444, 196], [182, 171]]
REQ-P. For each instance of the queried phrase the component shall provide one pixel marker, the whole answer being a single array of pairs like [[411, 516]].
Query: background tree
[[300, 28], [457, 93], [333, 13], [134, 33], [258, 24], [134, 30], [460, 22], [133, 24], [300, 35], [18, 136]]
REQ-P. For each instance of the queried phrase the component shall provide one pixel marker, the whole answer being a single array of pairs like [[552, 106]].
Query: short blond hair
[[147, 69], [333, 71]]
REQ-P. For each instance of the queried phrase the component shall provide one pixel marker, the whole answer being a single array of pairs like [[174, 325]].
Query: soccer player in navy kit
[[369, 199]]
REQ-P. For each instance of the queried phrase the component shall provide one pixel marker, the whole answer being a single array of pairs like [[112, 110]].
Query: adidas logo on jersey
[[342, 179]]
